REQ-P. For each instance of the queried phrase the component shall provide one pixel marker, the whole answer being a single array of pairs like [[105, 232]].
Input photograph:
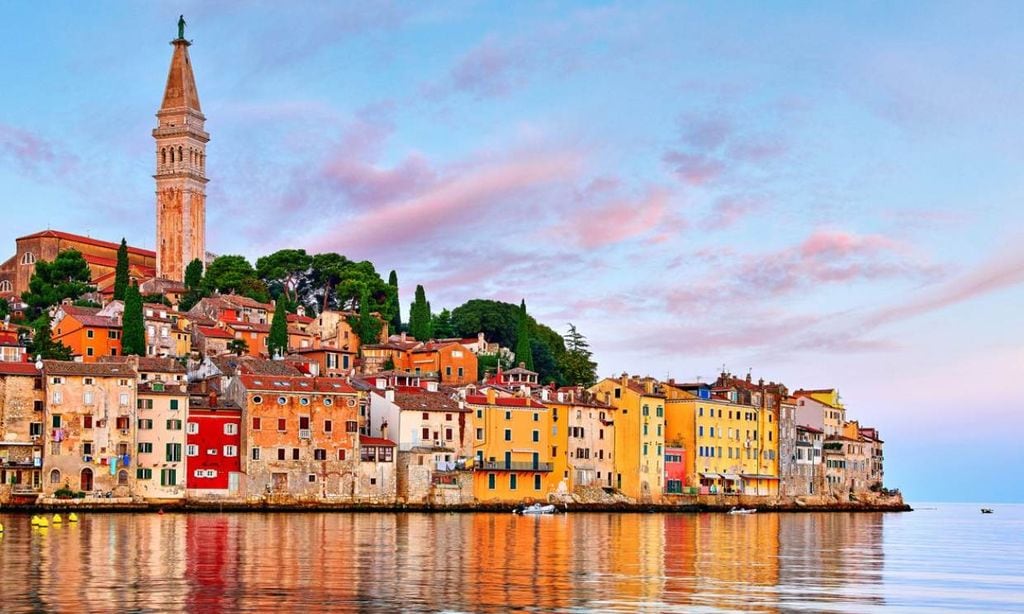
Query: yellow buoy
[[1, 527], [35, 520], [72, 517], [56, 519], [42, 523]]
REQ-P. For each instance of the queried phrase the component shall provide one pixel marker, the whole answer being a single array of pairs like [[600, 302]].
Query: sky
[[823, 194]]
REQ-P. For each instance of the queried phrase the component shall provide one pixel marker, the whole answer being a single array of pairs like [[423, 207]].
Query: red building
[[675, 470], [213, 443]]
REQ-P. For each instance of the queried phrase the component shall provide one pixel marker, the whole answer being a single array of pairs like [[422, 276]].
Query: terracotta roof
[[245, 301], [18, 368], [365, 440], [412, 399], [276, 383], [321, 349], [479, 399], [148, 364], [294, 317], [87, 316], [809, 429], [214, 332], [240, 325], [99, 369], [57, 234], [519, 371]]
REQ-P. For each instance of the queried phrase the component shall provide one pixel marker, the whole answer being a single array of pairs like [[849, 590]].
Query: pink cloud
[[730, 210], [706, 133], [693, 169], [32, 154], [487, 70], [616, 221]]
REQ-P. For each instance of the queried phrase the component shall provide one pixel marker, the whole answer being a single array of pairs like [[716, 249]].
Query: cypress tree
[[524, 353], [396, 307], [194, 274], [366, 326], [277, 340], [121, 272], [419, 316], [133, 328]]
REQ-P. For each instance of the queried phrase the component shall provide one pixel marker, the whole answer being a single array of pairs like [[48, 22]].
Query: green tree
[[497, 320], [238, 347], [366, 325], [524, 350], [194, 274], [68, 276], [277, 340], [133, 327], [156, 299], [576, 366], [419, 316], [284, 272], [544, 362], [121, 271], [441, 325], [389, 364], [5, 308], [44, 346], [395, 307], [327, 272], [234, 275]]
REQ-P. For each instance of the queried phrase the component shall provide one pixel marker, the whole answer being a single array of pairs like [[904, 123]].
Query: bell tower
[[180, 168]]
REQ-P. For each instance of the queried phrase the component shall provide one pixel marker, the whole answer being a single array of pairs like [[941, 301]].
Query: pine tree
[[524, 352], [277, 340], [194, 274], [44, 346], [133, 328], [576, 365], [419, 316], [396, 306], [121, 272]]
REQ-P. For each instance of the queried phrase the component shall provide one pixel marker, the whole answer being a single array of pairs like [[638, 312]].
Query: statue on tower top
[[181, 27]]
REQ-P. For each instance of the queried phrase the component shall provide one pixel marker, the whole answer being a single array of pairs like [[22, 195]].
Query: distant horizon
[[827, 195]]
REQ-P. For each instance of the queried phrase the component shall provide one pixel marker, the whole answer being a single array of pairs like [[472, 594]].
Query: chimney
[[431, 386], [384, 430], [648, 385], [624, 379], [481, 343], [544, 395], [402, 337], [389, 394], [213, 398], [491, 396]]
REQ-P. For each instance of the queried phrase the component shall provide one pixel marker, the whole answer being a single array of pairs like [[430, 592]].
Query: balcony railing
[[514, 466], [305, 434]]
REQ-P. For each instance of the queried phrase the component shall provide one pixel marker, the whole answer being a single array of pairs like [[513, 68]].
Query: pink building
[[675, 470]]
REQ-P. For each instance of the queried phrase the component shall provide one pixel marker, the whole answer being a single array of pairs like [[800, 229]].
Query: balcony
[[514, 466], [305, 434]]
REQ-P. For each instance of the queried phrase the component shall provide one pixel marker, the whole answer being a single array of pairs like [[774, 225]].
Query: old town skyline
[[700, 192]]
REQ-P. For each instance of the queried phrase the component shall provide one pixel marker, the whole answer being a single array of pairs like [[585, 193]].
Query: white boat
[[537, 508], [737, 510]]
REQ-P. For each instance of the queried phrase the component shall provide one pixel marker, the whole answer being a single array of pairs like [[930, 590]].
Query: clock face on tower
[[180, 170]]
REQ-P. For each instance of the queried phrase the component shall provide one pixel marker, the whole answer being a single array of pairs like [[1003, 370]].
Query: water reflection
[[467, 562]]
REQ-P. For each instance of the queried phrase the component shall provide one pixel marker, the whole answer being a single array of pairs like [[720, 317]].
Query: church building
[[180, 200]]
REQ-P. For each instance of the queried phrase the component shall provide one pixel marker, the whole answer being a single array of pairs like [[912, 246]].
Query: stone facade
[[180, 170], [21, 428]]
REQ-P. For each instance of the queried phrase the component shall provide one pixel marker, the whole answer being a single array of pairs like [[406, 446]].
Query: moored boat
[[536, 508], [739, 510]]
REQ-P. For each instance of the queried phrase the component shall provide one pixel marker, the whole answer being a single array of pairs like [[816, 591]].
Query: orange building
[[254, 334], [452, 361], [87, 333]]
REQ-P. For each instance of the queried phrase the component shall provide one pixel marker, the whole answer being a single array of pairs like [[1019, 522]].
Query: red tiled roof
[[98, 369], [479, 399], [57, 234], [365, 440], [18, 368], [276, 383], [411, 398], [809, 429], [214, 332], [87, 316], [294, 317], [240, 325]]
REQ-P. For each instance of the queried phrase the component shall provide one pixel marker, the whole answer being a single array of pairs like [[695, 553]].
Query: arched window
[[122, 477], [181, 153], [86, 480], [28, 258], [5, 286], [163, 155], [55, 476]]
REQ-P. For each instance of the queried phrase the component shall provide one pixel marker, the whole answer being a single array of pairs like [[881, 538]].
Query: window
[[508, 434], [319, 454], [144, 403], [328, 402], [351, 426], [192, 428], [328, 426], [145, 424], [448, 371], [231, 451], [123, 399], [255, 454], [168, 477], [230, 428], [257, 399], [295, 454], [304, 401], [144, 474], [479, 433], [536, 436], [5, 286], [35, 429], [646, 411], [57, 397], [461, 372], [281, 453], [425, 434], [56, 421], [191, 450], [173, 452], [536, 417], [86, 422], [174, 425], [341, 455], [700, 431], [282, 424], [385, 454], [28, 258], [512, 479], [174, 403], [479, 414], [87, 448], [536, 481], [145, 447], [490, 481], [282, 401], [448, 434]]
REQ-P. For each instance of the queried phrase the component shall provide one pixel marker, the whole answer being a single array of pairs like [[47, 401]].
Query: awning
[[759, 477], [732, 477], [709, 476]]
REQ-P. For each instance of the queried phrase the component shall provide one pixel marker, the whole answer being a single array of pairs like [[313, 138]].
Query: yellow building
[[582, 438], [512, 447], [731, 447], [639, 421]]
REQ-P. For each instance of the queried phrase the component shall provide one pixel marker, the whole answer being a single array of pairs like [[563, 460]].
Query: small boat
[[986, 510], [739, 510], [537, 508]]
